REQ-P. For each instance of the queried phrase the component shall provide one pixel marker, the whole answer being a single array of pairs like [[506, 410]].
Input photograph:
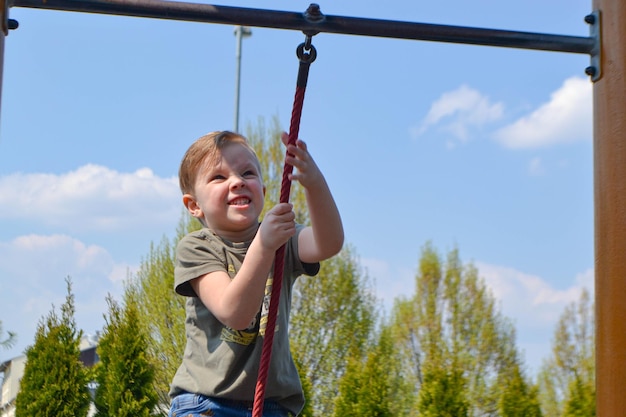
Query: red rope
[[279, 263]]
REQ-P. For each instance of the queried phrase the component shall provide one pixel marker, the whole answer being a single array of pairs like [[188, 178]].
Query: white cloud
[[33, 270], [129, 208], [92, 197], [35, 257], [529, 295], [459, 112], [533, 304], [566, 118]]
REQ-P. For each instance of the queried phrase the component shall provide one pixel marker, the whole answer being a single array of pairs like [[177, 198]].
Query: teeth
[[240, 201]]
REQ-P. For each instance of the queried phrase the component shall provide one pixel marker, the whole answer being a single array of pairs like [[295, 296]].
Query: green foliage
[[518, 398], [451, 337], [581, 401], [333, 318], [443, 393], [125, 373], [372, 387], [55, 380], [567, 378], [9, 341]]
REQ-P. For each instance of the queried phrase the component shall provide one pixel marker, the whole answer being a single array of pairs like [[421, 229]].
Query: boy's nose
[[237, 182]]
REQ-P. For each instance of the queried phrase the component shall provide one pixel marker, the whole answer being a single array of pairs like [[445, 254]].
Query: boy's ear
[[192, 206]]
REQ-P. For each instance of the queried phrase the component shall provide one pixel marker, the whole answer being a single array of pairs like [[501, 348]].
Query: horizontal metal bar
[[330, 24]]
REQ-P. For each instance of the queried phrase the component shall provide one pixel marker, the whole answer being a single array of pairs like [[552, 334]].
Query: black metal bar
[[330, 24]]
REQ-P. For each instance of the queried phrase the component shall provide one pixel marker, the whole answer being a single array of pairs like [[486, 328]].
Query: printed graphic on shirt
[[257, 327], [265, 308], [241, 337]]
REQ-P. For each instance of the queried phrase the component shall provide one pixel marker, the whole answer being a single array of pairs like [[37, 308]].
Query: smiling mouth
[[241, 201]]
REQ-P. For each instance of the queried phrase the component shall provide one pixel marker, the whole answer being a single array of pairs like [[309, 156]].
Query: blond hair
[[205, 152]]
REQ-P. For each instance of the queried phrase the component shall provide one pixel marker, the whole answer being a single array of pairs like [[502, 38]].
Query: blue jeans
[[197, 405]]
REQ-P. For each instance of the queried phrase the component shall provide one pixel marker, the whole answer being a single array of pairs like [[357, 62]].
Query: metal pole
[[240, 33], [237, 75], [330, 24], [609, 96]]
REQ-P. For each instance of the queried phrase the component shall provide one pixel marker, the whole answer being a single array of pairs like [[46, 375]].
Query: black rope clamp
[[306, 54]]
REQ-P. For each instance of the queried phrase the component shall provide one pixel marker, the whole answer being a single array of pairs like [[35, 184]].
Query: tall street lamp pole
[[240, 33]]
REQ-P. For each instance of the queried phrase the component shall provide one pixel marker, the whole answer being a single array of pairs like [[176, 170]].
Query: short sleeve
[[196, 255]]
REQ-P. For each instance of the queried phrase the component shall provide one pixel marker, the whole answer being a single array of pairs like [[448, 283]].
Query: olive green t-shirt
[[222, 362]]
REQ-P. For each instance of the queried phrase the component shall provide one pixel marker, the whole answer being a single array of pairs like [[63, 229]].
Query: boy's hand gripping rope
[[306, 54]]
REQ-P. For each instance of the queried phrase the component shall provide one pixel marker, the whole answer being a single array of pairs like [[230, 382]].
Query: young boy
[[225, 271]]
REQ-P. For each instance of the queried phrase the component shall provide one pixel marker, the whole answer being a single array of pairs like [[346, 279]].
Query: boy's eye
[[218, 177], [249, 173]]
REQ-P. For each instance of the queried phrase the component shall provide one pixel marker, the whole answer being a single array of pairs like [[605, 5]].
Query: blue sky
[[480, 148]]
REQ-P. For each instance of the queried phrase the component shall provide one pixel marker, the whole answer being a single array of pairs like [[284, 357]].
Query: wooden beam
[[609, 147]]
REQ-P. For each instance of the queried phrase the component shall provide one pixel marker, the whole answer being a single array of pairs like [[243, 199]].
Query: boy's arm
[[236, 302], [324, 238]]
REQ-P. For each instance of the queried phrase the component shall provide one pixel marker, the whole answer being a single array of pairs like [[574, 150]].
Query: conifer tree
[[581, 401], [372, 386], [443, 393], [124, 374], [517, 397], [55, 381]]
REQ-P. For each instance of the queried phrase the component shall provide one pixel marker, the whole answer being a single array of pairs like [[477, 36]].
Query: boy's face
[[229, 195]]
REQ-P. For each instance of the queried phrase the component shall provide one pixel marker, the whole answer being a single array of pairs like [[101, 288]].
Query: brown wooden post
[[609, 144]]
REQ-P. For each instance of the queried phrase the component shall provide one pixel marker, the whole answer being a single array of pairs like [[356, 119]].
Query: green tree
[[443, 393], [567, 377], [518, 397], [125, 373], [581, 401], [333, 318], [9, 341], [55, 380], [452, 340], [372, 386]]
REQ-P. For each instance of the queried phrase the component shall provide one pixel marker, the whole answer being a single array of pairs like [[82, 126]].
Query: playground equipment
[[606, 47]]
